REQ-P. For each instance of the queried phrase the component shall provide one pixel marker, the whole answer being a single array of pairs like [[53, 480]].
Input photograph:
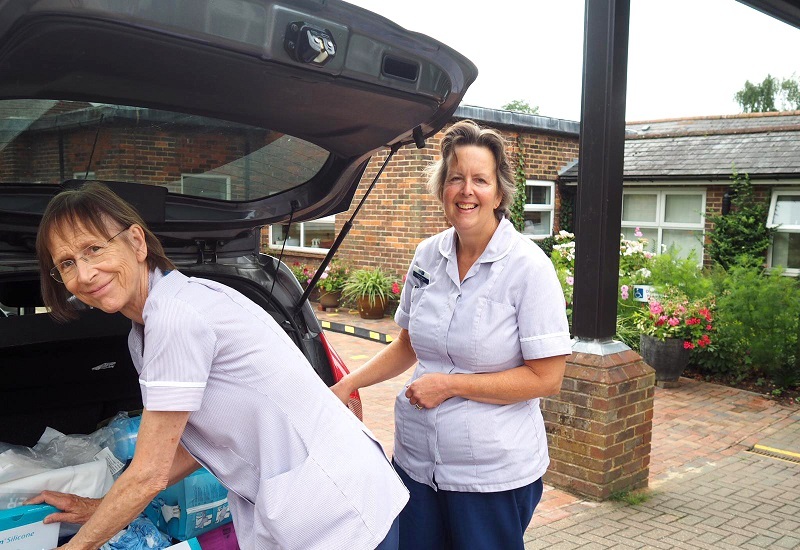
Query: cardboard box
[[194, 505], [22, 528]]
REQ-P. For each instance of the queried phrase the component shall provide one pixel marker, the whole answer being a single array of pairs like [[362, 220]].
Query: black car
[[215, 119]]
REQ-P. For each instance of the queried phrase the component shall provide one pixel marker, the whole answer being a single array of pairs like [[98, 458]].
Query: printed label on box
[[32, 536]]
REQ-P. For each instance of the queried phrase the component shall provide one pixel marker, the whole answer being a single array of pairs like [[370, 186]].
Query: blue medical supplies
[[190, 507]]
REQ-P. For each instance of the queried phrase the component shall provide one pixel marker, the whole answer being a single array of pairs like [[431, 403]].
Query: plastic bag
[[125, 430], [53, 451], [141, 534], [82, 464]]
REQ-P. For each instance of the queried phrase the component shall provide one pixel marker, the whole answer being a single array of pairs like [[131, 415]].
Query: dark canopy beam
[[787, 11], [602, 143]]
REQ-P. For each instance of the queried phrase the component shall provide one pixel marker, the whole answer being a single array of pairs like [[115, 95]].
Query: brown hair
[[96, 207], [467, 132]]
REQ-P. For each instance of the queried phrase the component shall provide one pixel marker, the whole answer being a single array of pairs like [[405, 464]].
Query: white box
[[22, 528]]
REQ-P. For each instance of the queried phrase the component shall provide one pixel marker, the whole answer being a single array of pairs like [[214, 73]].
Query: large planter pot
[[667, 357], [330, 299], [372, 310]]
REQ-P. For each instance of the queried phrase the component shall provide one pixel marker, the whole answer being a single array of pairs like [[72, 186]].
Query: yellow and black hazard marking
[[772, 452], [357, 331]]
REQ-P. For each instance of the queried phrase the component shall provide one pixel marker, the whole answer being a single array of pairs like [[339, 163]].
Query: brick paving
[[706, 489]]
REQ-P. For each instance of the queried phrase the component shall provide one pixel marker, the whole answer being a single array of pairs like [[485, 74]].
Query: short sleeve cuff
[[168, 397], [546, 345], [401, 318]]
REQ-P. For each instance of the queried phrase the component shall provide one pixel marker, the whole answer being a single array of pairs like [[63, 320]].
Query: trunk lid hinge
[[206, 251]]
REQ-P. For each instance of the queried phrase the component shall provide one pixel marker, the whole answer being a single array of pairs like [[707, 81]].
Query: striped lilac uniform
[[302, 471], [509, 308]]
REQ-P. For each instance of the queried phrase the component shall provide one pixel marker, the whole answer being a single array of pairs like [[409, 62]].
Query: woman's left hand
[[430, 390], [74, 509]]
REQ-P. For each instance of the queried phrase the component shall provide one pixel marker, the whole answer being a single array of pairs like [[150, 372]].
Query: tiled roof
[[524, 121], [763, 145]]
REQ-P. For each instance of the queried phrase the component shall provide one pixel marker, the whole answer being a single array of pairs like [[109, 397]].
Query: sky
[[685, 57]]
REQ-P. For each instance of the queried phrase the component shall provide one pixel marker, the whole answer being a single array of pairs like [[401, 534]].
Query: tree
[[741, 234], [761, 98], [521, 106]]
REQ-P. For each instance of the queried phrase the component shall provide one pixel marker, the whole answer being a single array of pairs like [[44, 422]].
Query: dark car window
[[46, 141]]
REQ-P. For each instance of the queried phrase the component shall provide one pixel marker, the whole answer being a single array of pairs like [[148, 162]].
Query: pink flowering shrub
[[334, 276], [673, 315]]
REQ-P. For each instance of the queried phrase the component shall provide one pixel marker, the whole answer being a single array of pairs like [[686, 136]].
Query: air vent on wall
[[400, 68]]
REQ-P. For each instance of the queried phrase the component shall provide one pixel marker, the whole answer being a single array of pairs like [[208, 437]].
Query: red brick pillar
[[599, 426]]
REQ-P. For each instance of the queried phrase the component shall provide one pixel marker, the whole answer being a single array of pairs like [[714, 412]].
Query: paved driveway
[[707, 490]]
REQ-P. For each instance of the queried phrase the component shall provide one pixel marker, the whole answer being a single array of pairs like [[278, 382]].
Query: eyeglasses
[[92, 254]]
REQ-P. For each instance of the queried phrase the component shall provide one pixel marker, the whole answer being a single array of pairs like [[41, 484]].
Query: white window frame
[[782, 228], [660, 225], [90, 176], [300, 248], [541, 207], [210, 176]]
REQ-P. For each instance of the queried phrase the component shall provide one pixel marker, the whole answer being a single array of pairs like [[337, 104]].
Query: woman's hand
[[74, 509], [342, 390], [430, 390]]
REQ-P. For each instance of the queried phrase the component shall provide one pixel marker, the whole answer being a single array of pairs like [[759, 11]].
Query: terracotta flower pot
[[330, 299], [667, 357], [374, 310]]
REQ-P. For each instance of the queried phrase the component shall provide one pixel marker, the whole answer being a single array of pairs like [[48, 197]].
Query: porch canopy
[[602, 142]]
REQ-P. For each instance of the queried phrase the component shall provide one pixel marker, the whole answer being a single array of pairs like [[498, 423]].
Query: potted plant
[[370, 290], [671, 327], [331, 283]]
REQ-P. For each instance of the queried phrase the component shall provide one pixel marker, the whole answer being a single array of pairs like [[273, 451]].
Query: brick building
[[678, 170], [400, 212]]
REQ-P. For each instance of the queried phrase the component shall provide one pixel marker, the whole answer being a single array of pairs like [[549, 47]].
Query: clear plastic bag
[[61, 462]]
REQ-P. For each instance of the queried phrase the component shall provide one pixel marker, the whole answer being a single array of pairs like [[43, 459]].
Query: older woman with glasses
[[222, 385]]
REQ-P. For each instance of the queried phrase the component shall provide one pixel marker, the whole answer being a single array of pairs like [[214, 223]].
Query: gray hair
[[467, 132]]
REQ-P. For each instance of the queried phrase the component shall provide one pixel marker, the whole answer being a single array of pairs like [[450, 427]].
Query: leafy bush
[[682, 273], [757, 325], [546, 245], [302, 273], [743, 231], [334, 277]]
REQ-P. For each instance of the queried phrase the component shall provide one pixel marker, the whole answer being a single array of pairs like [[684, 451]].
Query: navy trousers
[[452, 520], [392, 537]]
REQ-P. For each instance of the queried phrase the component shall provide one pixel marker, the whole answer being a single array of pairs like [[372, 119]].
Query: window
[[667, 218], [784, 214], [88, 176], [317, 235], [538, 209], [206, 186]]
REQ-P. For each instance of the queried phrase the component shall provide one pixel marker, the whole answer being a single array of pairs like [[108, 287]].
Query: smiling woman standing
[[222, 386], [483, 313]]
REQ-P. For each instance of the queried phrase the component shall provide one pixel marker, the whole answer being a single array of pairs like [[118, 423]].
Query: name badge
[[421, 275]]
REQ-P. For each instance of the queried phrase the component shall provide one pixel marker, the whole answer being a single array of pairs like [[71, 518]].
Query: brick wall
[[400, 212]]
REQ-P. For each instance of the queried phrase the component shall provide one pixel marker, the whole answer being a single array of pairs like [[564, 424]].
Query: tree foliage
[[773, 94], [521, 106], [743, 232]]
